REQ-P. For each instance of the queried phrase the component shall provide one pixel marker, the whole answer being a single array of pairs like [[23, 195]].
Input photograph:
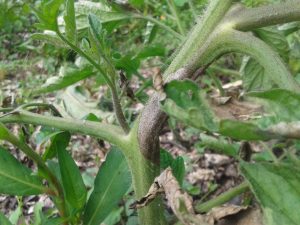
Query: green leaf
[[38, 214], [58, 141], [4, 220], [54, 221], [136, 3], [242, 130], [114, 217], [150, 32], [70, 22], [68, 76], [17, 214], [112, 182], [186, 103], [17, 179], [178, 169], [253, 75], [128, 63], [177, 165], [78, 104], [50, 38], [219, 145], [150, 51], [104, 12], [96, 26], [275, 39], [166, 159], [277, 189], [283, 103], [4, 133], [75, 190], [180, 3], [48, 13], [91, 117]]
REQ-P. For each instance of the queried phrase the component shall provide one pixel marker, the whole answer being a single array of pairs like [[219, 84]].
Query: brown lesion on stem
[[152, 119]]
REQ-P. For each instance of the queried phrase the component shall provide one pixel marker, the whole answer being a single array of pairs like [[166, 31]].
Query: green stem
[[249, 19], [116, 101], [143, 174], [236, 41], [225, 40], [106, 132], [217, 83], [199, 35], [87, 57], [221, 199], [174, 12]]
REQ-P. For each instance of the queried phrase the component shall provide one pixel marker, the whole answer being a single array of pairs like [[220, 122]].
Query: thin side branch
[[249, 19], [107, 132], [116, 101]]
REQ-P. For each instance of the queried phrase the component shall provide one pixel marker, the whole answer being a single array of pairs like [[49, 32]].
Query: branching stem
[[107, 132], [110, 82]]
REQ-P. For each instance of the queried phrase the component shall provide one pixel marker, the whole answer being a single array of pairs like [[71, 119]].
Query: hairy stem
[[223, 198], [143, 175], [229, 40], [87, 57], [116, 101], [107, 132], [249, 19], [199, 34]]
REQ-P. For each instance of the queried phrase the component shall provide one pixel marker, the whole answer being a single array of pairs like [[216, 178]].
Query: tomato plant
[[85, 29]]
